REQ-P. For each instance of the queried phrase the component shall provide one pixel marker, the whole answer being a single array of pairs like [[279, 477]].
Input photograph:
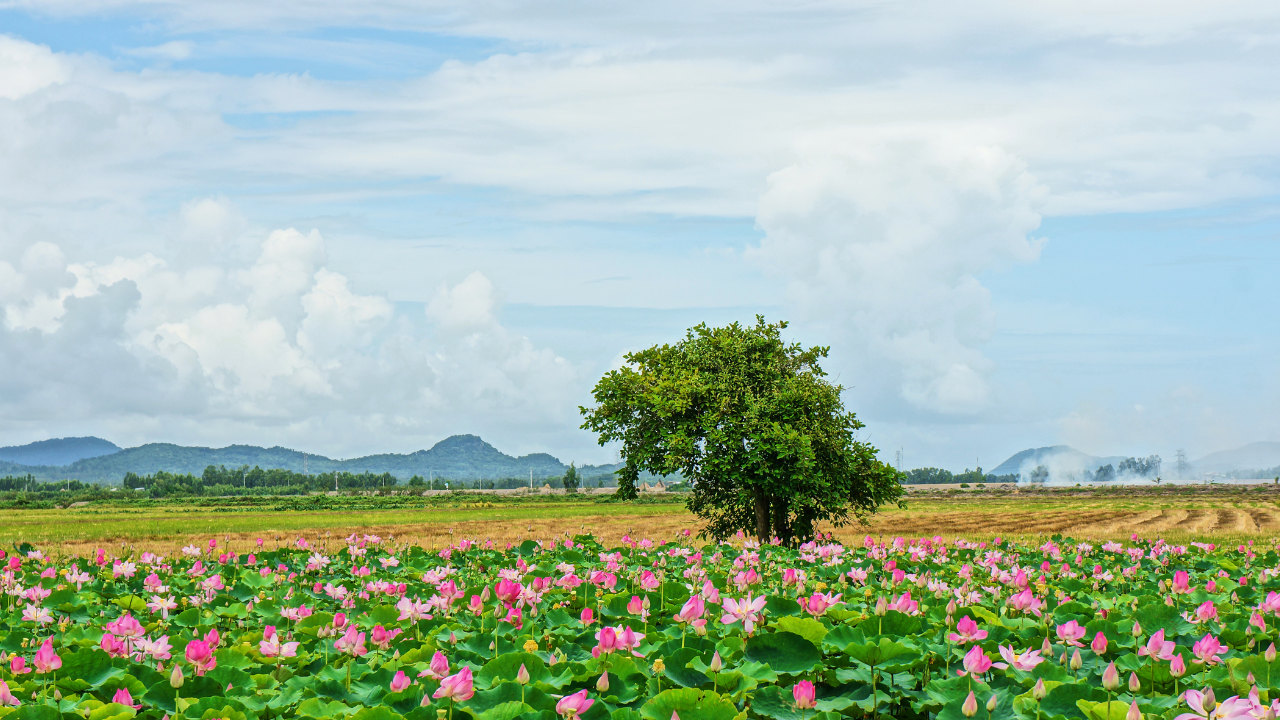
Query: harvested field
[[1227, 515]]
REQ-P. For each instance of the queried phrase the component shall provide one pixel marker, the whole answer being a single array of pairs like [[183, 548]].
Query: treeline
[[217, 481], [1131, 468], [938, 476]]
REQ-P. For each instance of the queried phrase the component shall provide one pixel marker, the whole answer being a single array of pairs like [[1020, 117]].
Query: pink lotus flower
[[1204, 707], [1027, 602], [975, 662], [905, 605], [1070, 633], [606, 641], [456, 687], [967, 631], [692, 611], [18, 665], [803, 693], [508, 591], [1207, 649], [351, 643], [1181, 582], [200, 655], [1157, 647], [46, 660], [969, 707], [746, 610], [818, 603], [439, 667], [587, 616], [270, 645], [123, 697], [400, 682], [1024, 661], [1099, 644], [575, 704], [6, 697], [126, 626]]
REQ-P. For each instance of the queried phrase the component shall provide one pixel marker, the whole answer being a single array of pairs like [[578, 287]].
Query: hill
[[1254, 456], [460, 457], [62, 451], [1057, 458]]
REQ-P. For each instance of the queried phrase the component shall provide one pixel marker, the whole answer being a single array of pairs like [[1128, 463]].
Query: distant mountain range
[[1260, 456], [460, 457], [62, 451]]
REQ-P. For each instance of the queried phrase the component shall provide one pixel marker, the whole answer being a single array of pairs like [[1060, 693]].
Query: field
[[1225, 514]]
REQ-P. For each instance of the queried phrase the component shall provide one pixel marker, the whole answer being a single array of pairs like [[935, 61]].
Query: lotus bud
[[1099, 644], [1270, 653], [951, 608], [1076, 660], [970, 706], [1137, 629], [602, 685], [991, 703], [1177, 666], [1134, 713], [882, 606], [522, 675], [1111, 678], [175, 678], [1249, 678], [717, 664], [1038, 691], [1046, 649], [1134, 684]]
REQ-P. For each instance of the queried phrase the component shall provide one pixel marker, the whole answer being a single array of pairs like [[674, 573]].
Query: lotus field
[[905, 629]]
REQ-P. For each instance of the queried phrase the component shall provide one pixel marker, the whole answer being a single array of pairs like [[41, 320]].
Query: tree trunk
[[781, 521], [762, 516]]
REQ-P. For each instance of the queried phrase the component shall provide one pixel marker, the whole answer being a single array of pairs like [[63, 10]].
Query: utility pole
[[530, 478]]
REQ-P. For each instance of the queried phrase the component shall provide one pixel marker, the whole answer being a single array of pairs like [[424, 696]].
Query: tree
[[570, 479], [752, 423]]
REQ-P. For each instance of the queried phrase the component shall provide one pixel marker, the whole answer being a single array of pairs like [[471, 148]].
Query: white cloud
[[26, 68], [883, 239], [283, 341]]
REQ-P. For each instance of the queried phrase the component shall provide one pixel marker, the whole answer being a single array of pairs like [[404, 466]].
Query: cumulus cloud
[[884, 240], [282, 341]]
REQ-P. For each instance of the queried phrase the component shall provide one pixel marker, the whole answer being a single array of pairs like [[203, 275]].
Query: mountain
[[62, 451], [462, 457], [1254, 456], [1058, 458]]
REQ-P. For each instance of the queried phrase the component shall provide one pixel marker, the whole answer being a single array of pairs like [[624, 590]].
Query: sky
[[351, 228]]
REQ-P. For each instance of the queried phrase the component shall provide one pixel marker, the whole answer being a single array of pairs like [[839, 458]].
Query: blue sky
[[354, 229]]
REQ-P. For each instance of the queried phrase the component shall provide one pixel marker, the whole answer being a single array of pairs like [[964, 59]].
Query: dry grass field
[[1230, 514]]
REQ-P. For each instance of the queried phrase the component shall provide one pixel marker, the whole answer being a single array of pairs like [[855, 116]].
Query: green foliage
[[570, 479], [754, 425]]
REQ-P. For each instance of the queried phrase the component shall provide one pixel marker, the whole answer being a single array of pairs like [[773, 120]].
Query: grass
[[1222, 515]]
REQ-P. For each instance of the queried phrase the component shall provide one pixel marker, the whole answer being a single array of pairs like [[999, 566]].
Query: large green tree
[[752, 422]]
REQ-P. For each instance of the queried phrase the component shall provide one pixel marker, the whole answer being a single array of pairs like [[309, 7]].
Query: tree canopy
[[752, 422]]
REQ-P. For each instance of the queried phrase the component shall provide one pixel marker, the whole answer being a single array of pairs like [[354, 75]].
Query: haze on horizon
[[357, 229]]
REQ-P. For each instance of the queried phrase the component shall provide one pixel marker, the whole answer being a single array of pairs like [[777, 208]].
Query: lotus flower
[[1070, 633], [575, 704], [967, 631], [200, 655], [6, 697], [1157, 647], [46, 660], [1207, 649], [400, 682], [123, 697], [746, 610], [803, 693], [457, 687]]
